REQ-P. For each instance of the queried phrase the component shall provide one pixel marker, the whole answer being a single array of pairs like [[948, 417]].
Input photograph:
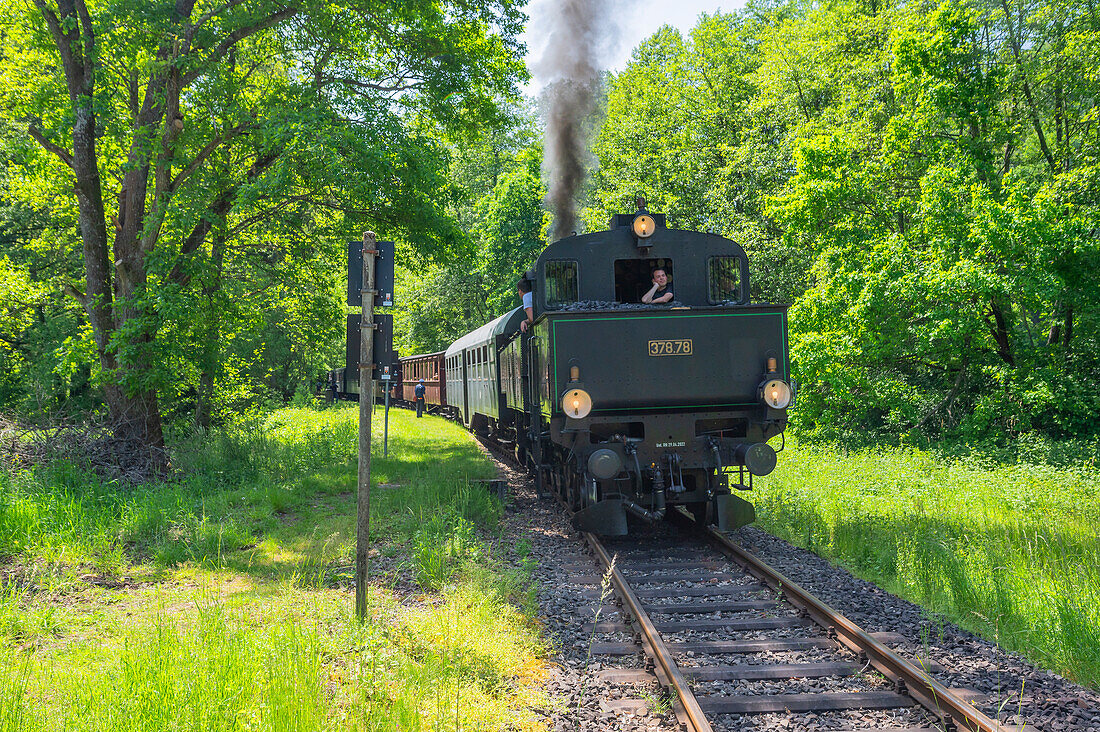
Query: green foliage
[[13, 688], [218, 674], [1002, 544], [501, 208], [238, 481], [248, 143], [918, 181], [684, 125], [444, 541]]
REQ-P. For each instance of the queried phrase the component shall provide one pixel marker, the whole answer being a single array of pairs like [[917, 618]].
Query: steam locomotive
[[617, 406]]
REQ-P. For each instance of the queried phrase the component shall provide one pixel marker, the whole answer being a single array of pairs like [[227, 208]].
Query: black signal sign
[[383, 354], [383, 273]]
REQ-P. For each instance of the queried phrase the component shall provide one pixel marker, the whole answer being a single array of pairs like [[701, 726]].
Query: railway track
[[728, 636]]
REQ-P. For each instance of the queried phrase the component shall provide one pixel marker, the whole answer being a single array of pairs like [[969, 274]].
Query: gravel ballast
[[584, 699]]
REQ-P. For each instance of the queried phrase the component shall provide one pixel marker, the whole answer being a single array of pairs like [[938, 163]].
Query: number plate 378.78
[[677, 347]]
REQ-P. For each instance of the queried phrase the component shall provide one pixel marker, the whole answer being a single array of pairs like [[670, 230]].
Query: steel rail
[[913, 681], [909, 679], [662, 655]]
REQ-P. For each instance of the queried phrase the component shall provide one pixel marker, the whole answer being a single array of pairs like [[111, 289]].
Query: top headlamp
[[643, 226]]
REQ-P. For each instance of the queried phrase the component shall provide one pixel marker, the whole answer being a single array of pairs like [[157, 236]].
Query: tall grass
[[1008, 550], [285, 652], [466, 663], [231, 485], [14, 672], [219, 674]]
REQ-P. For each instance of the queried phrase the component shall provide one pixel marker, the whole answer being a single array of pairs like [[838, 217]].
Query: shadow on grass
[[275, 501]]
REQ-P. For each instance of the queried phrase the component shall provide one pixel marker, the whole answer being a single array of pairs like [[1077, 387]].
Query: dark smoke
[[578, 36]]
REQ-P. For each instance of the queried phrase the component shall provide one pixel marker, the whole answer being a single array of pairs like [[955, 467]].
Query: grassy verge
[[222, 601], [1009, 551]]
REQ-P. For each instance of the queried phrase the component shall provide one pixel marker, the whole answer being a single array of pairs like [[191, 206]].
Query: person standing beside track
[[418, 391]]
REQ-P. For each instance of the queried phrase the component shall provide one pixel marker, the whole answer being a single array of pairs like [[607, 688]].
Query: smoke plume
[[578, 36]]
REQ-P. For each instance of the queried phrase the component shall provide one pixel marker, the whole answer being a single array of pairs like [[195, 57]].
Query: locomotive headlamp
[[776, 393], [644, 226], [576, 403]]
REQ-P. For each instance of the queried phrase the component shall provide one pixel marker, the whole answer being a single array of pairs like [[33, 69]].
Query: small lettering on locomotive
[[677, 347]]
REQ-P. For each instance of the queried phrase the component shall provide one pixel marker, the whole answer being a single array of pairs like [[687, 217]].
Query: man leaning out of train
[[660, 293], [524, 287]]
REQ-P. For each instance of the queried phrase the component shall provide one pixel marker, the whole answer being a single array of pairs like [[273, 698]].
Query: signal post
[[366, 402]]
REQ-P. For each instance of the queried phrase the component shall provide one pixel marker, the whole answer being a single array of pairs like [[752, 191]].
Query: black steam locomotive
[[622, 407]]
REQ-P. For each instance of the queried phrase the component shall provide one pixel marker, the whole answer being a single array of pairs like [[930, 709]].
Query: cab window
[[724, 279], [634, 277], [561, 283]]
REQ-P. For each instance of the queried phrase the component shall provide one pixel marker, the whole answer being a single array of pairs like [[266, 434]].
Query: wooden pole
[[386, 431], [366, 402]]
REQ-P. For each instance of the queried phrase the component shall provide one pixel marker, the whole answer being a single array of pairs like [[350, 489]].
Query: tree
[[942, 231], [685, 126], [181, 130], [920, 181], [442, 300]]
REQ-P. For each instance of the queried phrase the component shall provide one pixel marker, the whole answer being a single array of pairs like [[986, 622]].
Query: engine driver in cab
[[660, 293]]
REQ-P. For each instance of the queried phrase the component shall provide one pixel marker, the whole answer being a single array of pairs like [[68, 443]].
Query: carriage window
[[724, 279], [561, 283]]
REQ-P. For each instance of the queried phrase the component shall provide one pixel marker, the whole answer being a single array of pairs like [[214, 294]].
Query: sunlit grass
[[222, 601], [1010, 551]]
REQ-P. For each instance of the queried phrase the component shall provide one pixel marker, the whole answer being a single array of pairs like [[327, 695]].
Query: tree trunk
[[212, 347], [205, 399], [1061, 330], [1055, 333], [115, 295], [1000, 333], [135, 416]]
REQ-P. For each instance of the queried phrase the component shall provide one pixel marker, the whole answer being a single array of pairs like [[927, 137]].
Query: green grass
[[222, 600], [1010, 551]]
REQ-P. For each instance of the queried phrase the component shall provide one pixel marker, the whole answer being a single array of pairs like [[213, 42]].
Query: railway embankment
[[1008, 550], [222, 600], [600, 684]]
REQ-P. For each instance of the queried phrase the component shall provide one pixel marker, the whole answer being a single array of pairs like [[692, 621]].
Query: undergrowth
[[1009, 550], [221, 600]]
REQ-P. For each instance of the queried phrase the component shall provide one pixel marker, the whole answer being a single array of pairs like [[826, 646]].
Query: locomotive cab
[[628, 407]]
